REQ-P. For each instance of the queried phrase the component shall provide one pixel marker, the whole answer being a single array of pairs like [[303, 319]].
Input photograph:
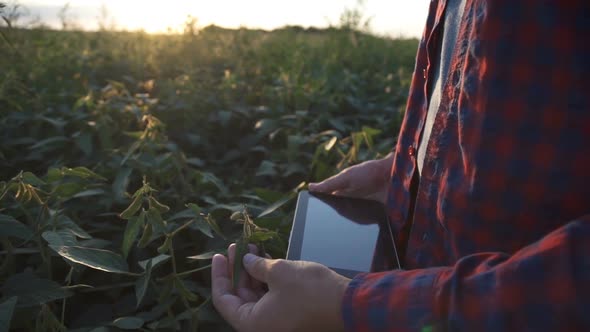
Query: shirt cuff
[[391, 301]]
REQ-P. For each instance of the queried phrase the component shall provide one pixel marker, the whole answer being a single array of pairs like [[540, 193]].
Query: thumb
[[257, 267]]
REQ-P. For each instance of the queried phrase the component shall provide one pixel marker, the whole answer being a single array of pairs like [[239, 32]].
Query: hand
[[367, 180], [301, 296]]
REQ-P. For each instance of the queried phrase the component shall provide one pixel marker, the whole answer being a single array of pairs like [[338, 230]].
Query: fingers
[[226, 303], [249, 295], [256, 286], [237, 306], [366, 180], [249, 289], [244, 288], [258, 267], [338, 182]]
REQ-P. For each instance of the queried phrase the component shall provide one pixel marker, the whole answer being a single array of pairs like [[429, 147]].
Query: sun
[[152, 16], [162, 16]]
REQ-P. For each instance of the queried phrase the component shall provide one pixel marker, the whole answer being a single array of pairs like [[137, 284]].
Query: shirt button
[[411, 151], [424, 73]]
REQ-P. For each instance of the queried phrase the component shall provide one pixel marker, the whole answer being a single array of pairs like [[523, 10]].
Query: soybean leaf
[[210, 178], [6, 310], [155, 261], [338, 124], [184, 291], [97, 329], [53, 175], [10, 227], [134, 225], [195, 208], [143, 282], [154, 217], [98, 259], [88, 193], [32, 290], [202, 226], [209, 219], [166, 289], [165, 247], [121, 182], [136, 145], [82, 172], [158, 310], [330, 144], [294, 168], [58, 123], [84, 142], [134, 134], [48, 141], [186, 315], [241, 250], [206, 255], [186, 213], [47, 321], [265, 126], [270, 222], [65, 222], [60, 238], [266, 168], [270, 196], [166, 323], [237, 216], [32, 179], [69, 189], [330, 132], [273, 207], [252, 197], [208, 313], [262, 235], [228, 207], [128, 323], [369, 133], [195, 162], [95, 243]]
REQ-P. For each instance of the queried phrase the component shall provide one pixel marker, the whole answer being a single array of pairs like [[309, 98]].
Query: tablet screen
[[337, 241]]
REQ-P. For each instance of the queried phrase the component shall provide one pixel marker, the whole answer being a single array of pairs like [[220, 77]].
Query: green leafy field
[[127, 159]]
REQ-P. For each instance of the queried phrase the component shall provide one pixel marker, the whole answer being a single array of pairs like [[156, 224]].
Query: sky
[[388, 17]]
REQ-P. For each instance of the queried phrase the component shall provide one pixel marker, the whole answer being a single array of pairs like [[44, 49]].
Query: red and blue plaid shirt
[[500, 234]]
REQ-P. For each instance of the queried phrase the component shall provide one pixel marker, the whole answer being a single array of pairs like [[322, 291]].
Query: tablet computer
[[348, 235]]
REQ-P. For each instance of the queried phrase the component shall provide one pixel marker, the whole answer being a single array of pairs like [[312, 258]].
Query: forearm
[[543, 287]]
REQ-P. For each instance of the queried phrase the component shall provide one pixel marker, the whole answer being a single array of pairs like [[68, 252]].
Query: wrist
[[386, 164], [340, 287]]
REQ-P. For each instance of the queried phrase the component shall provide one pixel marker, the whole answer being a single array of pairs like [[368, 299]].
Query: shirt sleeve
[[543, 287]]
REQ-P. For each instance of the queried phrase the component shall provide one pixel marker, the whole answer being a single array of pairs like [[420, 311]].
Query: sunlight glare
[[392, 17]]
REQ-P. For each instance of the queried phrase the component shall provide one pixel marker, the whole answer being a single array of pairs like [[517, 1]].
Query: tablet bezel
[[298, 228]]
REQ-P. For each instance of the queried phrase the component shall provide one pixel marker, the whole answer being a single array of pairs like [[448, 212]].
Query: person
[[488, 190]]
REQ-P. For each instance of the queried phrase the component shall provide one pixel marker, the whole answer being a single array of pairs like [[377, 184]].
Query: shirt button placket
[[411, 151]]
